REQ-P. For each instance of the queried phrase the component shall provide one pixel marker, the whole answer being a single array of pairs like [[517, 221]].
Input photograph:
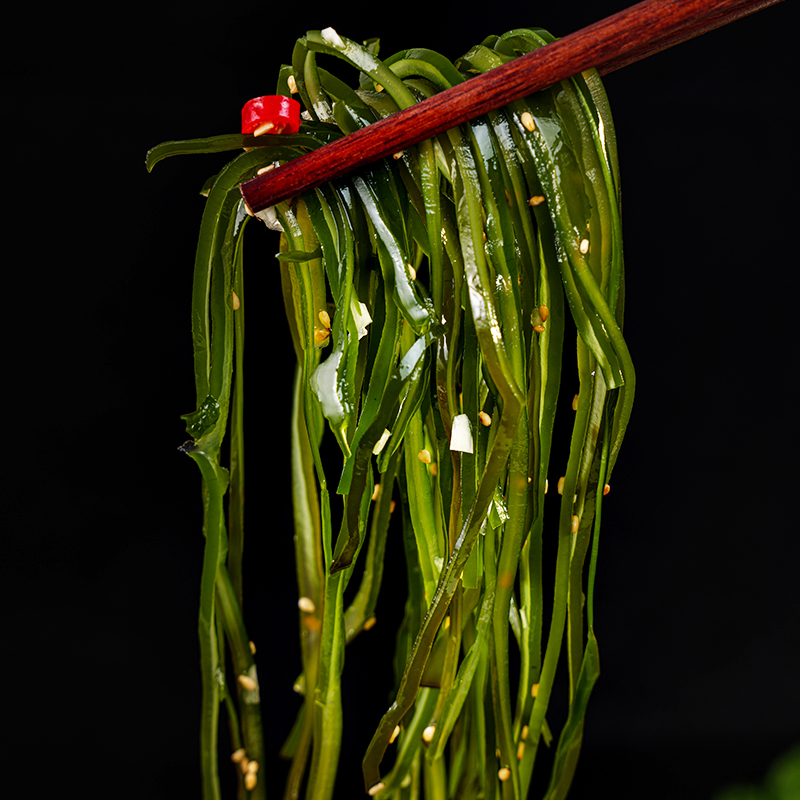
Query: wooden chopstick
[[614, 42]]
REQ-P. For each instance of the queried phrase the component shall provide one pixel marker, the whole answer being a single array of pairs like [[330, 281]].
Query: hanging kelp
[[427, 298]]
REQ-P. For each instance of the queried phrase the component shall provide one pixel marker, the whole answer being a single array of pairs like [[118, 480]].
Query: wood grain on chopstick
[[616, 41]]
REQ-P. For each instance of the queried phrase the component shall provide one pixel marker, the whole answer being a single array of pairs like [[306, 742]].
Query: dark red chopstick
[[616, 41]]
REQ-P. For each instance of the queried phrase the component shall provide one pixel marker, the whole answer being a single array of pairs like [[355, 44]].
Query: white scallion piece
[[269, 218], [330, 36], [461, 435], [381, 442]]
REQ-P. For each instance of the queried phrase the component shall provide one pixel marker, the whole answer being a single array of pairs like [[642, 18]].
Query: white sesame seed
[[253, 648], [504, 773], [238, 755], [520, 750], [292, 84], [576, 521], [524, 733], [370, 623], [306, 604], [325, 318], [561, 485], [247, 683], [575, 403], [235, 302], [252, 766], [250, 781], [424, 456], [376, 492], [412, 272], [485, 419], [534, 690], [428, 733], [584, 246], [544, 313], [378, 787], [536, 200], [398, 155], [266, 169], [527, 121], [395, 733], [264, 127]]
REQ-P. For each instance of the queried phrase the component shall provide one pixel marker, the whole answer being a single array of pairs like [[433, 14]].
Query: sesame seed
[[534, 690], [412, 272], [398, 155], [235, 302], [504, 773], [524, 733], [376, 492], [264, 127], [370, 623], [606, 489], [406, 782], [485, 419], [321, 335], [544, 313], [250, 781], [378, 87], [434, 470], [325, 318], [539, 328], [378, 787], [238, 755], [247, 209], [266, 169], [576, 521], [395, 733], [247, 683], [584, 246], [392, 506], [243, 764], [252, 766], [428, 733], [306, 604], [575, 403], [292, 84], [527, 121], [561, 485], [311, 623], [424, 456], [546, 485], [536, 200], [520, 750], [253, 648]]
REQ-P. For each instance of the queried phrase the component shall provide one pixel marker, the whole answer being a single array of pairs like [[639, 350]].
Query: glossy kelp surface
[[426, 297]]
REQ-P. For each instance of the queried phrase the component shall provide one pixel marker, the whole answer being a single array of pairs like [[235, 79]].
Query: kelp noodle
[[426, 301]]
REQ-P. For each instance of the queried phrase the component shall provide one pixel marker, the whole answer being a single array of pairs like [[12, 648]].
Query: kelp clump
[[427, 298]]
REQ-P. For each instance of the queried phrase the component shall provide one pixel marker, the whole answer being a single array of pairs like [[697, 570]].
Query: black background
[[697, 599]]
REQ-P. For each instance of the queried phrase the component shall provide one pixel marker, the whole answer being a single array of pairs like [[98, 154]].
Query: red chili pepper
[[272, 113]]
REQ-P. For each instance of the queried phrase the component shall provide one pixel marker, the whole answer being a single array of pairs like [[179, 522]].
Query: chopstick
[[614, 42]]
